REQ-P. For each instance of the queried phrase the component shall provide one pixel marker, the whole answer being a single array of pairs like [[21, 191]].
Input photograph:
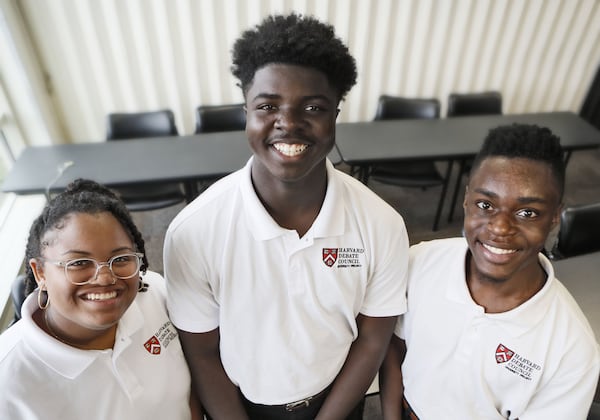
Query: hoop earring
[[142, 287], [39, 299]]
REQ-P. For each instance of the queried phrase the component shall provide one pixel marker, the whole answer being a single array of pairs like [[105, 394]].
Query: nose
[[500, 224], [287, 119], [104, 275]]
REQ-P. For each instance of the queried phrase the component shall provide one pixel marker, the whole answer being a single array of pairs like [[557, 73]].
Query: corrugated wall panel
[[103, 56]]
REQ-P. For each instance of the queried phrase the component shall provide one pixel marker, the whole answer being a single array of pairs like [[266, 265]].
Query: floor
[[416, 206]]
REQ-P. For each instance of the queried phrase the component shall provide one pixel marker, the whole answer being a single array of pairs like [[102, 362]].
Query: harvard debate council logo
[[343, 257], [516, 363], [161, 339]]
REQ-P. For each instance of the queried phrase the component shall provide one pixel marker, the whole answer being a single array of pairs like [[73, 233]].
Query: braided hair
[[297, 40], [81, 196]]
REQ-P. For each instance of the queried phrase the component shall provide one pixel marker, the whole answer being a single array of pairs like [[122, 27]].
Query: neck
[[293, 205], [502, 295], [100, 341]]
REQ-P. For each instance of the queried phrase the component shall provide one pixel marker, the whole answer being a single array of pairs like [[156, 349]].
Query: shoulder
[[10, 340], [571, 311], [440, 250], [207, 206], [154, 285]]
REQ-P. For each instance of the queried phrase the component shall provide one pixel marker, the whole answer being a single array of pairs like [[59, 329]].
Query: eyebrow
[[522, 200], [304, 98], [86, 253]]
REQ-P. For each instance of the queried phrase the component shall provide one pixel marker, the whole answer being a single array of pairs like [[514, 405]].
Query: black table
[[581, 276], [363, 145], [449, 138], [186, 159]]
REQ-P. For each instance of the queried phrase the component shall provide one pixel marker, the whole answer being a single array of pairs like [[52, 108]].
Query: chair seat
[[422, 174], [150, 197]]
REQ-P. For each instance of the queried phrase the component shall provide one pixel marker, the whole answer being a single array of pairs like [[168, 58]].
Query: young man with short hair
[[490, 333], [286, 278]]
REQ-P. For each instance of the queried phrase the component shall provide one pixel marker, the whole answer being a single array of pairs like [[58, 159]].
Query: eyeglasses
[[85, 270]]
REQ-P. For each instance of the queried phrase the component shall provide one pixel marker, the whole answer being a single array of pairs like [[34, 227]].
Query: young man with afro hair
[[490, 333], [286, 277]]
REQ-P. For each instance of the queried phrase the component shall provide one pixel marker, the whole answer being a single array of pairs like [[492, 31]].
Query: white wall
[[101, 56]]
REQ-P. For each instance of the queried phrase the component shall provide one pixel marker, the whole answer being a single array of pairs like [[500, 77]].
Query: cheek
[[60, 292]]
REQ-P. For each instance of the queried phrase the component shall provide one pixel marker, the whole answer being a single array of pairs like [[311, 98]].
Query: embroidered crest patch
[[161, 338], [503, 354], [152, 345], [330, 256]]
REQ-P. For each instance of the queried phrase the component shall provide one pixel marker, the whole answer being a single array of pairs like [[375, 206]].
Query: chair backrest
[[579, 231], [396, 107], [212, 118], [141, 124], [482, 103], [18, 296]]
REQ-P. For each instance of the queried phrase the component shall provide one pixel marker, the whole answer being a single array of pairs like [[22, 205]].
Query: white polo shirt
[[144, 377], [537, 361], [285, 306]]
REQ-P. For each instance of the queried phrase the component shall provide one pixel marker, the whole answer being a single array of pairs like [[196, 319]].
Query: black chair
[[144, 197], [17, 295], [421, 174], [594, 413], [579, 231], [461, 104], [213, 118]]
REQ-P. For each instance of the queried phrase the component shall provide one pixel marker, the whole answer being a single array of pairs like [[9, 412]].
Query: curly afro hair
[[525, 141], [81, 196], [298, 40]]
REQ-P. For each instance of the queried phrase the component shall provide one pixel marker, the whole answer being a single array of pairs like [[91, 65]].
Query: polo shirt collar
[[69, 361], [329, 222], [517, 321]]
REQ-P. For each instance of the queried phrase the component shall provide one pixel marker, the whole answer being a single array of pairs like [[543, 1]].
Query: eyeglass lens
[[84, 270]]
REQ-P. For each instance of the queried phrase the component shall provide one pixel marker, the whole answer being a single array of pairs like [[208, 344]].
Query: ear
[[38, 272], [556, 216], [465, 198]]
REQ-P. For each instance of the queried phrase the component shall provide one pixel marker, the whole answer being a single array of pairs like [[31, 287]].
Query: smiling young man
[[285, 279], [490, 333]]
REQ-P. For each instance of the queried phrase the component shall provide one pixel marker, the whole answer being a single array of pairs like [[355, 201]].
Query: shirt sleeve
[[568, 396], [386, 287], [191, 300]]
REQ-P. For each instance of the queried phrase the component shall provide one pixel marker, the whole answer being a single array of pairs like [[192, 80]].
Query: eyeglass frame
[[99, 265]]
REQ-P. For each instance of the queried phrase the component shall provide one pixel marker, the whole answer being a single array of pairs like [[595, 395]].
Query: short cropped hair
[[297, 40], [81, 196], [525, 141]]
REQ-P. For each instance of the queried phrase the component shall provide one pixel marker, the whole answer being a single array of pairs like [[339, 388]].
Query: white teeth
[[290, 149], [499, 251], [101, 296]]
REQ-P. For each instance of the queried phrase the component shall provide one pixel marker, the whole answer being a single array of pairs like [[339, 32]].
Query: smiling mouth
[[101, 296], [498, 251], [290, 149]]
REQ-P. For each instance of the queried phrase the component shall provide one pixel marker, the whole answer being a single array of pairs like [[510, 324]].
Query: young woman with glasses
[[94, 341]]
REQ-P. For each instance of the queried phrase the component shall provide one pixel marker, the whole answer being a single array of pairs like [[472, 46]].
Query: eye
[[123, 259], [266, 107], [527, 213], [313, 108], [483, 205], [80, 264]]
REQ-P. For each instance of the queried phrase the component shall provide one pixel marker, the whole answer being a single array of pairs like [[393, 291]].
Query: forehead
[[87, 229], [280, 79], [515, 177]]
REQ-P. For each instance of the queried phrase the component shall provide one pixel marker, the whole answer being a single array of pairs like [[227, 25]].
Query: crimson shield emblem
[[152, 345], [329, 256], [503, 354]]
